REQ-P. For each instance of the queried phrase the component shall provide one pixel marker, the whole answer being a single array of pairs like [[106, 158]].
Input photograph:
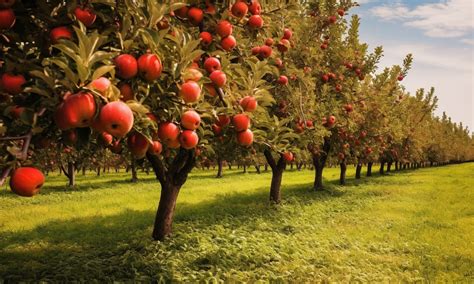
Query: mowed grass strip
[[411, 225]]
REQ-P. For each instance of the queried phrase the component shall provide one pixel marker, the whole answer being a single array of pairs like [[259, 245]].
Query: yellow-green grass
[[409, 225]]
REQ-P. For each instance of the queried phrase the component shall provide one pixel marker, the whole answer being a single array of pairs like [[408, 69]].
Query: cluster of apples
[[357, 70], [241, 123], [300, 125], [241, 8], [332, 77], [329, 121], [7, 15], [84, 15]]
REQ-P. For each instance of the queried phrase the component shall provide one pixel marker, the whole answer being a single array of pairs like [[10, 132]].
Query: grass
[[407, 226]]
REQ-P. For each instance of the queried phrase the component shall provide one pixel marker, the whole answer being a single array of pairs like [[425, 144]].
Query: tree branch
[[158, 167], [5, 174], [270, 159]]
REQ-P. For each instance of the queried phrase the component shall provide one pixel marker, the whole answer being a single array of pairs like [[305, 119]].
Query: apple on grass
[[26, 181]]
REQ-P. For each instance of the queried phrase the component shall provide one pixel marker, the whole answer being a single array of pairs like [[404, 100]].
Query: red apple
[[12, 84], [223, 120], [218, 78], [106, 138], [279, 63], [245, 138], [249, 103], [265, 51], [195, 16], [70, 137], [182, 12], [190, 120], [190, 92], [60, 33], [255, 50], [269, 41], [255, 22], [288, 156], [324, 46], [16, 111], [188, 139], [206, 38], [212, 64], [338, 88], [332, 19], [100, 85], [239, 9], [77, 110], [116, 147], [138, 145], [155, 148], [211, 89], [241, 122], [116, 118], [331, 120], [126, 92], [224, 28], [283, 45], [7, 19], [325, 77], [149, 67], [168, 131], [6, 3], [86, 16], [340, 156], [341, 12], [283, 80], [287, 34], [255, 8], [400, 77], [216, 129], [191, 74], [228, 43], [126, 65], [348, 108], [26, 181]]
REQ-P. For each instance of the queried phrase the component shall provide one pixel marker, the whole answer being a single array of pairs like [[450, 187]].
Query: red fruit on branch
[[216, 129], [224, 28], [60, 33], [228, 43], [218, 78], [190, 120], [149, 67], [12, 84], [245, 138], [400, 77], [348, 108], [126, 65], [126, 92], [138, 145], [7, 19], [100, 85], [223, 120], [341, 12], [269, 41], [206, 38], [155, 148], [249, 103], [116, 118], [255, 8], [188, 139], [212, 64], [255, 50], [265, 51], [283, 80], [168, 132], [288, 156], [239, 9], [255, 22], [195, 15], [190, 92], [77, 110], [332, 19], [287, 34], [241, 122], [26, 181], [86, 16]]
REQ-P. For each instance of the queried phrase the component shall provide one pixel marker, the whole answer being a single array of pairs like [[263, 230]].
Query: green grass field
[[412, 225]]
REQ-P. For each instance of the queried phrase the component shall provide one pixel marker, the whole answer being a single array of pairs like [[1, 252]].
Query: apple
[[338, 88], [325, 77], [6, 3], [265, 51], [211, 9], [100, 85], [223, 120], [288, 156], [206, 38], [228, 43], [349, 65], [126, 65], [173, 144], [211, 89], [70, 137], [216, 129], [126, 92], [168, 131], [116, 147], [241, 122], [26, 181], [340, 156], [195, 16], [190, 120], [190, 92], [7, 19], [182, 12], [279, 63], [86, 16], [218, 78], [249, 103], [255, 22], [269, 41], [332, 75], [245, 138], [348, 108], [12, 84], [116, 118], [16, 111], [341, 12], [212, 64], [283, 80], [77, 110], [255, 8], [138, 145], [106, 138], [191, 74], [149, 67], [255, 50], [224, 28], [368, 150], [155, 148], [400, 77], [287, 34], [332, 19], [358, 71], [324, 46], [163, 24], [239, 9], [60, 33], [331, 120], [283, 45], [188, 139]]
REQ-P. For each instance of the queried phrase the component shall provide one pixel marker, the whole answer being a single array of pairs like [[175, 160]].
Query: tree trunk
[[257, 168], [219, 168], [382, 166], [369, 169], [319, 161], [358, 170], [396, 166], [230, 166], [266, 167], [83, 171], [342, 177], [71, 174], [133, 167], [165, 213], [389, 166], [245, 169], [277, 174]]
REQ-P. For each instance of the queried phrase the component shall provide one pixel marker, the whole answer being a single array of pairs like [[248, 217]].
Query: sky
[[440, 35]]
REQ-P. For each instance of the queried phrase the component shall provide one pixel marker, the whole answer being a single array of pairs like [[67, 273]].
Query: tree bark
[[342, 176], [71, 174], [257, 168], [389, 166], [219, 167], [358, 170], [396, 166], [319, 161], [245, 169], [165, 213], [277, 175], [382, 166], [133, 167], [369, 169]]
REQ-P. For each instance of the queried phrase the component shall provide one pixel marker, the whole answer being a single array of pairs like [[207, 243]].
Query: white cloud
[[469, 41], [447, 19]]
